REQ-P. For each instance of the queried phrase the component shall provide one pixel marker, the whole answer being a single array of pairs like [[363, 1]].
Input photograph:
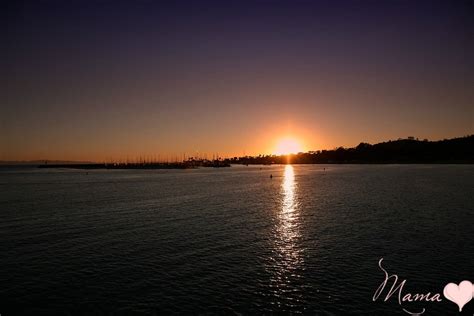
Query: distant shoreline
[[402, 151], [103, 167]]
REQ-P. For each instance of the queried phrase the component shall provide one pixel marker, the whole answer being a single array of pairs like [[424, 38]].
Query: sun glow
[[288, 146]]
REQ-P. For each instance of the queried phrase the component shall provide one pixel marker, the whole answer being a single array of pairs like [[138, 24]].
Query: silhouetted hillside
[[456, 150]]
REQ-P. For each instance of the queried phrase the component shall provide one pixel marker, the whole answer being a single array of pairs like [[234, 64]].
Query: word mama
[[396, 288]]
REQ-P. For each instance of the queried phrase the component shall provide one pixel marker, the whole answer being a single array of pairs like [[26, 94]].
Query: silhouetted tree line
[[456, 150]]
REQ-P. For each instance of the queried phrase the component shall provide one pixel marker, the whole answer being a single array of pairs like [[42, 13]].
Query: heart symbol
[[461, 295]]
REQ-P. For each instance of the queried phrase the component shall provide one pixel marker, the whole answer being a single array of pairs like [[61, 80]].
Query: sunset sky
[[107, 79]]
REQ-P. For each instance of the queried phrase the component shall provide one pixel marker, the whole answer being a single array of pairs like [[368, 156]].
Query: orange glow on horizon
[[288, 145]]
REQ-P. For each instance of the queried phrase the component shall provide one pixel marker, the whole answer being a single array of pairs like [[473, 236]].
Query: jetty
[[188, 164]]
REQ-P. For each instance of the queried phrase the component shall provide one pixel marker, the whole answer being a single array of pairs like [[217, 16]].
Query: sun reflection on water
[[287, 259]]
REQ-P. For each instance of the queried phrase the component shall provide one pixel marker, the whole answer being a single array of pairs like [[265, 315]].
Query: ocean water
[[233, 240]]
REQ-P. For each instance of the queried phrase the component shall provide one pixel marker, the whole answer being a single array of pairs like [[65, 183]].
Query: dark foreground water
[[234, 240]]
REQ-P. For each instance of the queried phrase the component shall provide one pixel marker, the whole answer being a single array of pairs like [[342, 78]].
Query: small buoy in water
[[271, 176]]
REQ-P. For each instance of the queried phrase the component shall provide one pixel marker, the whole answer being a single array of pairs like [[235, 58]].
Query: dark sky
[[91, 80]]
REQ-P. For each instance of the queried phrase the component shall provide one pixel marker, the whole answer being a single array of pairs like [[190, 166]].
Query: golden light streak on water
[[288, 257]]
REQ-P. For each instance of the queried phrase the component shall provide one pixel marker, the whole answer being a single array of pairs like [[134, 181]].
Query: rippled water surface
[[222, 241]]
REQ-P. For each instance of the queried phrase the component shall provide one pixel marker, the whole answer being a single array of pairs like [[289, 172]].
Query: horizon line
[[204, 156]]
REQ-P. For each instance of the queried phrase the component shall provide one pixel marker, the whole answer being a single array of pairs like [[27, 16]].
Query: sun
[[288, 145]]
